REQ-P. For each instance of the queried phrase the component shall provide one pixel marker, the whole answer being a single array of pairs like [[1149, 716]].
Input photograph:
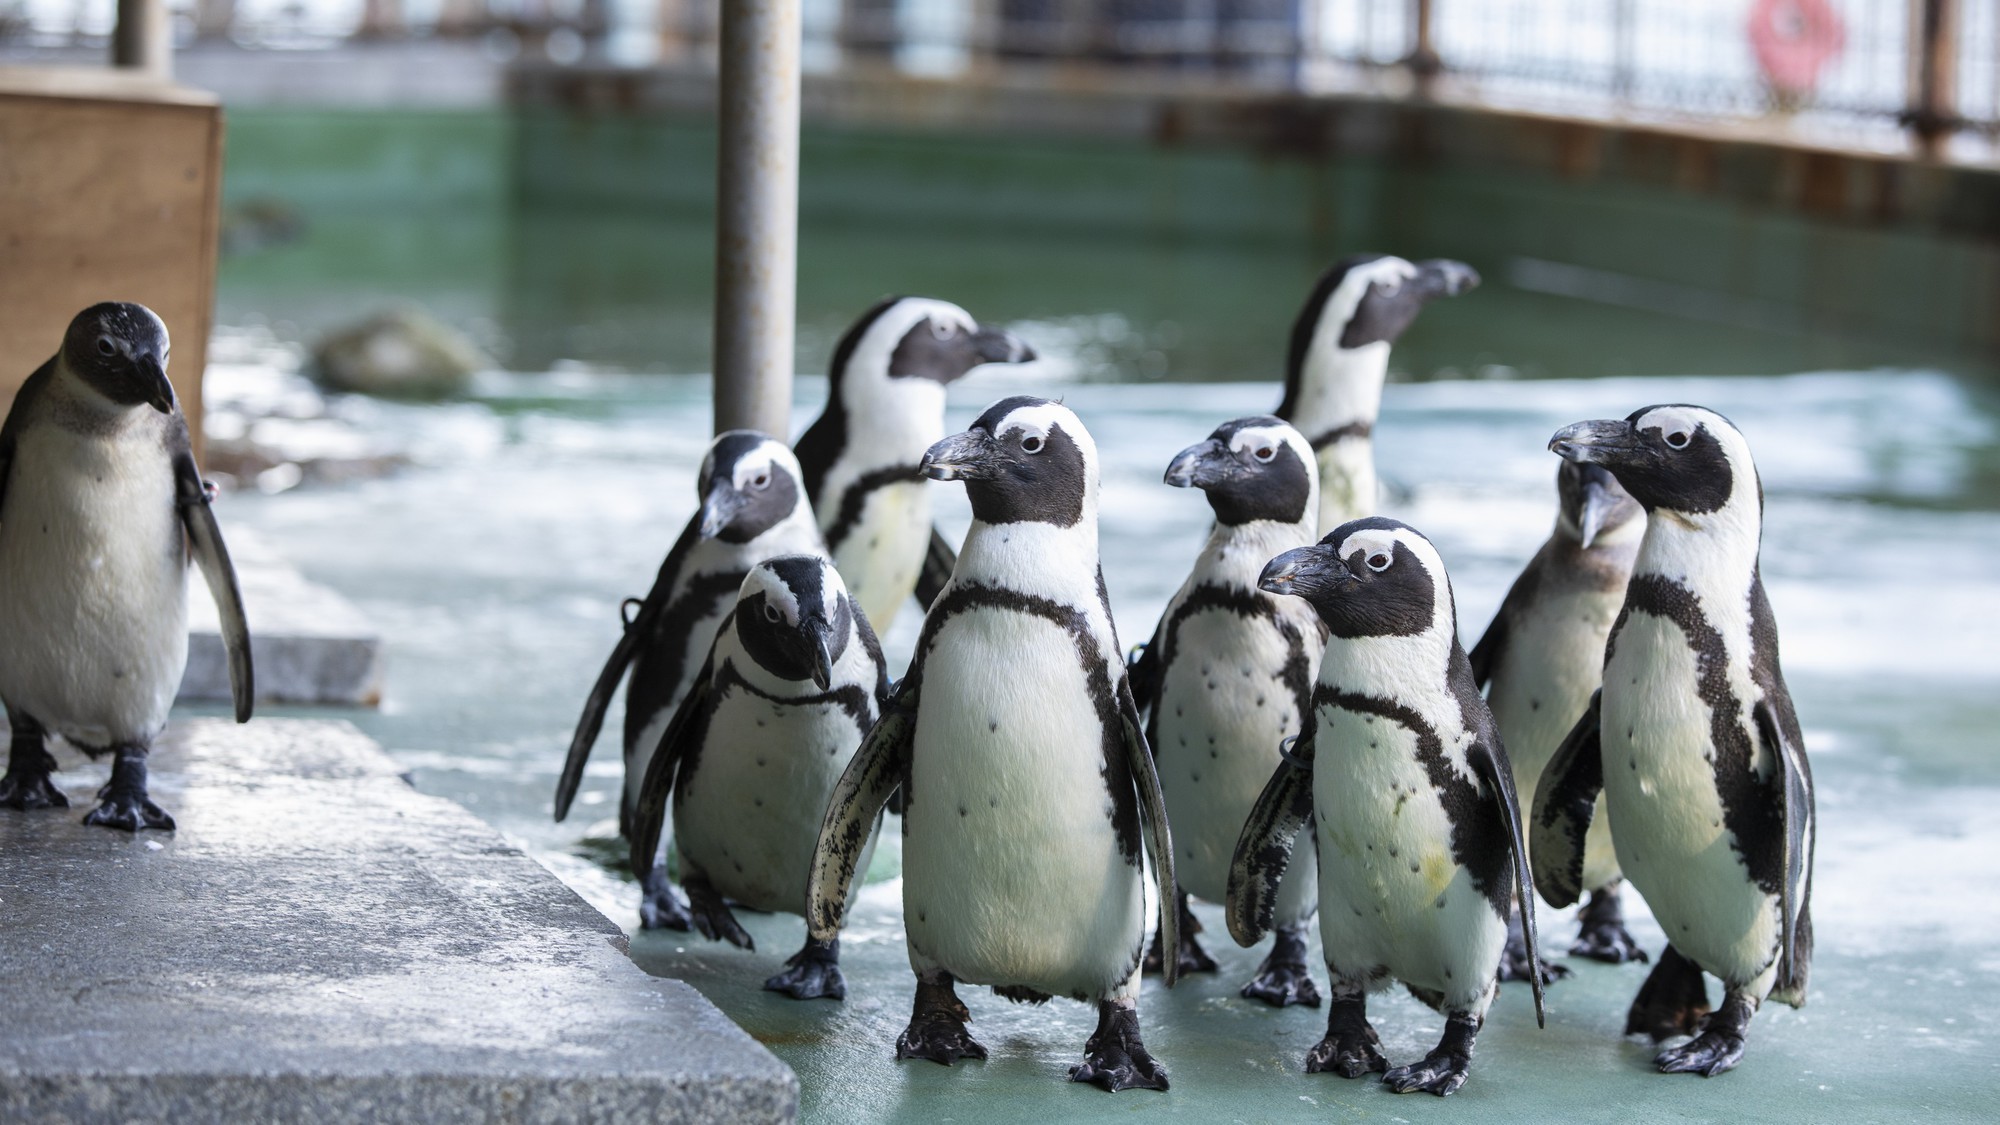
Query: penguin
[[884, 407], [1692, 741], [1542, 657], [1027, 781], [101, 507], [1413, 809], [1228, 675], [1339, 356], [753, 507], [794, 679]]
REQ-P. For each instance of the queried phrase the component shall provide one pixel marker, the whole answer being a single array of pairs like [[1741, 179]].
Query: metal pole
[[1423, 61], [757, 215], [1933, 112], [143, 39]]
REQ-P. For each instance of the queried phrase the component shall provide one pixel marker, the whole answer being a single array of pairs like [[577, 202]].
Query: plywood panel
[[108, 191]]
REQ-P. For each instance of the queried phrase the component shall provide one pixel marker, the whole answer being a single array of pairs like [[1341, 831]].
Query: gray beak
[[1607, 442], [1201, 465], [1303, 571], [1442, 277], [997, 345], [966, 456], [822, 647], [723, 504], [155, 375], [1598, 503]]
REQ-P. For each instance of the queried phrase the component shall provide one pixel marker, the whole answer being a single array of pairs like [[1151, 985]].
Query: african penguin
[[1228, 676], [1692, 740], [1028, 783], [884, 407], [753, 507], [1542, 657], [1338, 357], [794, 679], [101, 506], [1402, 773]]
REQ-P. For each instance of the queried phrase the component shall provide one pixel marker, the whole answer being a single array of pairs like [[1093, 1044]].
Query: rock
[[401, 353]]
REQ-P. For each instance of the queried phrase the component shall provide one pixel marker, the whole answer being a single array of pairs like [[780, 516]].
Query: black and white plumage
[[101, 506], [1692, 741], [753, 507], [884, 407], [1543, 656], [793, 681], [1339, 356], [1402, 771], [1228, 676], [1016, 742]]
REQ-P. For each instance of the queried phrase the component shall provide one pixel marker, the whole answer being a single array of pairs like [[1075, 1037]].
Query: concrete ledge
[[321, 942], [309, 644]]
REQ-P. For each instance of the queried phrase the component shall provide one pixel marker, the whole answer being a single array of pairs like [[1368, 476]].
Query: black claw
[[124, 801], [1671, 1002], [29, 764], [1114, 1058], [813, 973], [1718, 1048], [1193, 958], [659, 907], [1445, 1069], [1514, 958], [937, 1026], [1283, 979], [1351, 1047], [1601, 934], [712, 916]]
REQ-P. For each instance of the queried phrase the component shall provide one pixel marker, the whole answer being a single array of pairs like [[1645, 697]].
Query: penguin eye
[[943, 330], [1378, 561], [761, 481], [1031, 444], [770, 612], [1677, 439], [105, 346], [1264, 453]]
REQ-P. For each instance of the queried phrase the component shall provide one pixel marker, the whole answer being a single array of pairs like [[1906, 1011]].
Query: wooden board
[[109, 191]]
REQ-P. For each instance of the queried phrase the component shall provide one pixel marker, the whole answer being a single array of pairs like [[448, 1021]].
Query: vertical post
[[143, 40], [1933, 112], [757, 215], [1624, 49], [1423, 61]]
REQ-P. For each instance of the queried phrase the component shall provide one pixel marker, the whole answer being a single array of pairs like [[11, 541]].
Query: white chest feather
[[881, 555]]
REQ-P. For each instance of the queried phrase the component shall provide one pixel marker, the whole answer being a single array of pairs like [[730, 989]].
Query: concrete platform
[[309, 644], [321, 942]]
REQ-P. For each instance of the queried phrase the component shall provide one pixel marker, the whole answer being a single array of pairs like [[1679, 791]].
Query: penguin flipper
[[1159, 836], [1143, 670], [1264, 850], [1565, 801], [1795, 790], [876, 771], [1489, 763], [1487, 652], [212, 555], [686, 730], [939, 561]]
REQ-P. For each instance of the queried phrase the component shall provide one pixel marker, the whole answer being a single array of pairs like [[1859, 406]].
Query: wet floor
[[494, 568]]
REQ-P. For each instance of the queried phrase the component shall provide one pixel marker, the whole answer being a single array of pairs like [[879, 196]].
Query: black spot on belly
[[992, 724], [961, 810], [1534, 704], [1260, 701]]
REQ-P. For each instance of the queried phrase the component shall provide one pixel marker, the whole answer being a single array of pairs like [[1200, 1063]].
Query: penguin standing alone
[[1693, 742], [753, 508], [884, 407], [1541, 659], [794, 679], [1402, 773], [1027, 780], [1338, 358], [100, 507], [1228, 676]]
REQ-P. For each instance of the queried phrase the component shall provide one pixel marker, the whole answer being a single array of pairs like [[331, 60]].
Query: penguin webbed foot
[[130, 811], [1671, 1002], [1284, 978], [1719, 1047], [813, 973], [937, 1026], [25, 790], [1514, 963], [659, 907], [1601, 933], [712, 916], [1192, 957], [1351, 1047], [1114, 1058], [1445, 1069]]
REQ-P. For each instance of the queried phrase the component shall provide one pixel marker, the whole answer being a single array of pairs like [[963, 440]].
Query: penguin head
[[1593, 503], [1674, 458], [915, 341], [1256, 468], [793, 616], [119, 349], [1373, 298], [1025, 460], [749, 484], [1373, 577]]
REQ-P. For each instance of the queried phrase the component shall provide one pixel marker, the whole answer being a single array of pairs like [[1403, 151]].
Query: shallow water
[[495, 566]]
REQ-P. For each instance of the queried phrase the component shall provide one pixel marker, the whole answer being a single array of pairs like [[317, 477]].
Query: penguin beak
[[1442, 277], [1598, 504], [1607, 442], [1204, 465], [966, 456], [160, 393], [720, 509], [997, 345], [1304, 571], [821, 634]]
